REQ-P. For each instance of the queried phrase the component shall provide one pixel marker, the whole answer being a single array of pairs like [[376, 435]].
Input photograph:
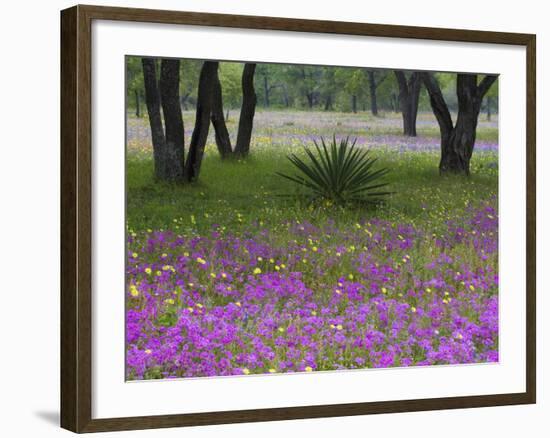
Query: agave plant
[[339, 172]]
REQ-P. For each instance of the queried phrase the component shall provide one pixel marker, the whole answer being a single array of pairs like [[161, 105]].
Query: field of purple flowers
[[228, 278]]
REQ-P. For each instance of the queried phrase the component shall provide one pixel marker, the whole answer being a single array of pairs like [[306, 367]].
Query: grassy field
[[230, 276], [233, 193]]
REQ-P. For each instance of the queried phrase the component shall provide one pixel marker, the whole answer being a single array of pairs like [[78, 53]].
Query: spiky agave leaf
[[339, 171]]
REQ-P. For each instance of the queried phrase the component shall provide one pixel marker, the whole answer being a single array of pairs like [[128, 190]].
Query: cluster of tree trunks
[[168, 139], [167, 130], [409, 93], [458, 139]]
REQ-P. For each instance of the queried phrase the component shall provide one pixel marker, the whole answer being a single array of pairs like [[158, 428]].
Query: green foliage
[[134, 82], [230, 74], [189, 80], [302, 87], [340, 172]]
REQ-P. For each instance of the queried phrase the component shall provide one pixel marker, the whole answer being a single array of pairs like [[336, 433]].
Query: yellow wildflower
[[133, 290]]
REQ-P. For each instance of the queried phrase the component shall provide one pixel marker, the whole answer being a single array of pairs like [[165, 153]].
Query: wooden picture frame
[[76, 217]]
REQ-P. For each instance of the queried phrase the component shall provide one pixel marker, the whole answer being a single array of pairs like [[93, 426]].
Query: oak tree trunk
[[223, 141], [138, 104], [328, 103], [266, 91], [409, 93], [152, 101], [372, 90], [173, 121], [202, 120], [285, 96], [248, 108], [458, 140], [354, 103], [309, 97]]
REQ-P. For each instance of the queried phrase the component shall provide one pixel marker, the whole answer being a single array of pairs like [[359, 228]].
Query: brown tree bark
[[168, 140], [223, 141], [173, 121], [409, 93], [202, 120], [152, 101], [266, 91], [354, 103], [372, 90], [248, 109], [458, 140], [138, 103], [328, 102]]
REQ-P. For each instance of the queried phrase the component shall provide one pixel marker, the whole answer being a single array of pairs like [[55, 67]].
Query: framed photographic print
[[268, 218]]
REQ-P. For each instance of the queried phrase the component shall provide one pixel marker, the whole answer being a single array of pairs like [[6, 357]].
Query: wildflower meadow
[[237, 274]]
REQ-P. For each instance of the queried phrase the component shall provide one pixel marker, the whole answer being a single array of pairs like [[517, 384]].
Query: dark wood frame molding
[[76, 219]]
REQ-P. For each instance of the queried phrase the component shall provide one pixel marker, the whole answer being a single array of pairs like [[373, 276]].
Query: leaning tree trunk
[[409, 93], [457, 142], [372, 90], [248, 108], [223, 140], [152, 101], [202, 120], [170, 100]]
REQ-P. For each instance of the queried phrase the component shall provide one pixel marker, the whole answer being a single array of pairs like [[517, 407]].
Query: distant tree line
[[213, 89]]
